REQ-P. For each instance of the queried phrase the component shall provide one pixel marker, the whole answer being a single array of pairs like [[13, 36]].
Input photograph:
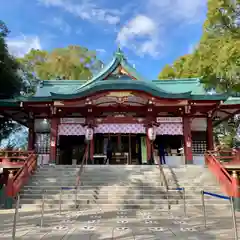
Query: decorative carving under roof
[[124, 97]]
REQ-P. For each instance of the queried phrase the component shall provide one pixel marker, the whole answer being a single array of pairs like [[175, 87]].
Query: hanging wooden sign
[[72, 120], [169, 119]]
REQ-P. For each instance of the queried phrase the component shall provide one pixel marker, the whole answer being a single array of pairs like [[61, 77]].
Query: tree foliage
[[225, 133], [11, 83], [183, 67], [217, 58], [72, 62], [10, 80]]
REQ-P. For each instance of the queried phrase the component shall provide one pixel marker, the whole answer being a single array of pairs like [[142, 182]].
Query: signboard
[[120, 94], [72, 120], [169, 119]]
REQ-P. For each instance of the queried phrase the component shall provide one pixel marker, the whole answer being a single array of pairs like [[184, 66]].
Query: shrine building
[[120, 106]]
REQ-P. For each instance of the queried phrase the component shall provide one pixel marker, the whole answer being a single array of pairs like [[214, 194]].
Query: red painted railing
[[17, 181], [214, 160], [13, 158]]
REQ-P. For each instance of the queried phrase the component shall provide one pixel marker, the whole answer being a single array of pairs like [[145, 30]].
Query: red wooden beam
[[230, 106], [223, 111]]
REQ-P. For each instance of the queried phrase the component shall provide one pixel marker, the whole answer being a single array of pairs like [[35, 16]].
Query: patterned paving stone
[[124, 224]]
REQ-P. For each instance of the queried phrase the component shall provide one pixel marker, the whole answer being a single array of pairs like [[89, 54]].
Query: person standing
[[109, 152], [161, 154]]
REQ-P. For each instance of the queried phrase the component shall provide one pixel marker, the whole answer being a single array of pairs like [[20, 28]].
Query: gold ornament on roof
[[123, 94]]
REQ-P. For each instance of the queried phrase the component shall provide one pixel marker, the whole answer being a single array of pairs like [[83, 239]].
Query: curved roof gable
[[118, 60]]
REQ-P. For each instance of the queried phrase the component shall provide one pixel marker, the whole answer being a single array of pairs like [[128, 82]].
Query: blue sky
[[151, 33]]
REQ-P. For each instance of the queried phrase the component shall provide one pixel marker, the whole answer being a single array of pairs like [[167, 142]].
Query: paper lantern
[[152, 133], [89, 134]]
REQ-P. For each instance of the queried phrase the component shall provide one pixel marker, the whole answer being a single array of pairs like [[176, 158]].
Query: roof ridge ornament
[[119, 53]]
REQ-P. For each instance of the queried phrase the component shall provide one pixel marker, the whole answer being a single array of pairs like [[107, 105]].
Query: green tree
[[72, 62], [167, 73], [225, 133], [217, 58], [223, 17], [10, 81], [183, 67]]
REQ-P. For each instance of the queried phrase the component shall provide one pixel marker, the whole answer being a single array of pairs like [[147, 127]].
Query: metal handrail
[[162, 175], [82, 165]]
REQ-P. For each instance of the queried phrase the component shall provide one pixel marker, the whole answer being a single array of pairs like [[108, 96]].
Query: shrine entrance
[[71, 149], [126, 148]]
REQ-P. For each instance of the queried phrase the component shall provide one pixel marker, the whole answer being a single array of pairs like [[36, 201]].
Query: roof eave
[[119, 85]]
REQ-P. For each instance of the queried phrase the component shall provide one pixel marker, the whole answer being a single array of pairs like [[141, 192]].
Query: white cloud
[[140, 27], [21, 45], [86, 10], [145, 33]]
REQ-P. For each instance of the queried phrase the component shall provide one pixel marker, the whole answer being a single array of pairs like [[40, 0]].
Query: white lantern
[[1, 170], [89, 134], [152, 133]]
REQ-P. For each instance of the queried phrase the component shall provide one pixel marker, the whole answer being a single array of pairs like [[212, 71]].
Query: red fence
[[215, 161], [17, 181], [13, 158]]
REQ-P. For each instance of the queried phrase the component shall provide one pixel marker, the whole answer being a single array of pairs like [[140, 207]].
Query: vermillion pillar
[[149, 148], [53, 139], [187, 136], [210, 142], [236, 190], [92, 150]]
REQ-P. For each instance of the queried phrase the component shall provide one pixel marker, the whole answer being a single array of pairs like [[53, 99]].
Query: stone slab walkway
[[122, 224]]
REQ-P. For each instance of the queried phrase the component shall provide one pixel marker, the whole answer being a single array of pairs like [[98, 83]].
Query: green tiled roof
[[69, 87], [58, 86], [191, 89], [232, 101], [139, 85], [181, 85], [66, 89]]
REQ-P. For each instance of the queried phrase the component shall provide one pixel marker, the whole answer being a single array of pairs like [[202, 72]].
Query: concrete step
[[120, 206], [108, 189], [113, 186], [56, 196], [124, 167]]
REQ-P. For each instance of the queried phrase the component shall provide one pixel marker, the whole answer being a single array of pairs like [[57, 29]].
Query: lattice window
[[199, 146], [42, 143]]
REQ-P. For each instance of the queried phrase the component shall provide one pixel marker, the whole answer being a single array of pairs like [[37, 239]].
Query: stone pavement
[[122, 224]]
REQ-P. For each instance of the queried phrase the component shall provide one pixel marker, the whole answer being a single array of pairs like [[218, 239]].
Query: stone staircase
[[119, 186], [193, 179]]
